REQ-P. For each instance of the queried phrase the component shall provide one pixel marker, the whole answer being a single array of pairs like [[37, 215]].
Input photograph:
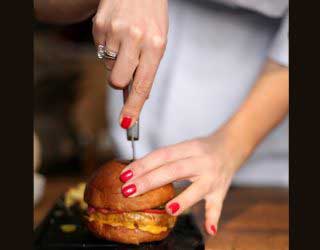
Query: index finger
[[141, 87], [159, 158]]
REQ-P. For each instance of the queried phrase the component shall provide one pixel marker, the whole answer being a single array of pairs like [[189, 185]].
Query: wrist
[[237, 144]]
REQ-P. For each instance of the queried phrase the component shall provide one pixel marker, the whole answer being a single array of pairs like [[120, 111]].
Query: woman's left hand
[[209, 163]]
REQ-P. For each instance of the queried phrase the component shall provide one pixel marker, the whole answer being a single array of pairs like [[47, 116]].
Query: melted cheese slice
[[112, 221], [153, 229]]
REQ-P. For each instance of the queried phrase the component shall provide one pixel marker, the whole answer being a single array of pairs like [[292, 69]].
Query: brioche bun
[[126, 220]]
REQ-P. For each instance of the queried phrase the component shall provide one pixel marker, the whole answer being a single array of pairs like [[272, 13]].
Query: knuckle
[[158, 42], [212, 212], [139, 166], [146, 183], [98, 24], [214, 205], [174, 169], [206, 185], [142, 89], [117, 25], [131, 109], [135, 32], [136, 167]]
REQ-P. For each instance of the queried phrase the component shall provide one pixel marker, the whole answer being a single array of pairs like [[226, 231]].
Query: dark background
[[69, 100], [17, 124]]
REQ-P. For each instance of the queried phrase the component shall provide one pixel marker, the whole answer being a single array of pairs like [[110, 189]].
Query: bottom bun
[[124, 235]]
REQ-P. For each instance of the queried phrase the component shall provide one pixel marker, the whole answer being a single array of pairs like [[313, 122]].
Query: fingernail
[[213, 229], [125, 176], [129, 190], [126, 121], [174, 207]]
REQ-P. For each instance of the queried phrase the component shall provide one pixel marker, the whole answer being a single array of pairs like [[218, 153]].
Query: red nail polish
[[126, 121], [125, 176], [174, 207], [129, 190], [213, 229]]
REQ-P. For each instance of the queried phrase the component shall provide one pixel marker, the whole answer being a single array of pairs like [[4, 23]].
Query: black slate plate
[[48, 235]]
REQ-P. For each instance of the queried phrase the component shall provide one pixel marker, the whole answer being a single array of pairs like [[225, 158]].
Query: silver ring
[[101, 51], [109, 54]]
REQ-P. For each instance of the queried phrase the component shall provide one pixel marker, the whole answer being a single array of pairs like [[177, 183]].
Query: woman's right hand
[[137, 31]]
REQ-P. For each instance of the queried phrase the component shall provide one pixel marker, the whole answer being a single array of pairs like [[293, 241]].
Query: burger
[[134, 220]]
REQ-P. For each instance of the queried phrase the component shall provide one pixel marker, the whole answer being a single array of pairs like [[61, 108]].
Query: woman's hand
[[209, 163], [137, 31]]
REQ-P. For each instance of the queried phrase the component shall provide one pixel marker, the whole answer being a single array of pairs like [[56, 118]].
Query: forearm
[[64, 11], [264, 108]]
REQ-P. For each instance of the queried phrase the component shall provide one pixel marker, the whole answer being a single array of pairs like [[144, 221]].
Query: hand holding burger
[[113, 216], [209, 163]]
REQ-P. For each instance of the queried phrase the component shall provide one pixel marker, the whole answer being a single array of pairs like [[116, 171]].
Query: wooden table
[[252, 218]]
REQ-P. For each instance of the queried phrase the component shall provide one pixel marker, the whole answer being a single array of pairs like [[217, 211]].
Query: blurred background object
[[69, 100], [36, 153], [38, 180]]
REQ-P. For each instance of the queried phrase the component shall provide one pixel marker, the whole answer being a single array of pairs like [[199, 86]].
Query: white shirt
[[214, 55], [271, 8]]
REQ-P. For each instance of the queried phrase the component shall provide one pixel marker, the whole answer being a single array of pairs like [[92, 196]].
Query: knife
[[133, 132]]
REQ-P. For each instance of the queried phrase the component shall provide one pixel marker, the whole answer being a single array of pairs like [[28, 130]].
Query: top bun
[[104, 191]]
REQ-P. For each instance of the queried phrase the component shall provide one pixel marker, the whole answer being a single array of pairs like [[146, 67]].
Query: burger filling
[[154, 221]]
